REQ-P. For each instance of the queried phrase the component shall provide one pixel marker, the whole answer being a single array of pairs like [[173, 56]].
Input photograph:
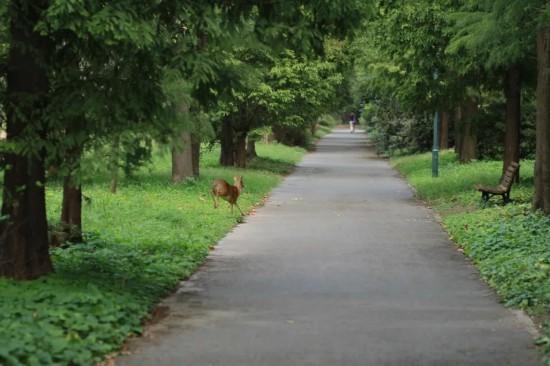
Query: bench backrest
[[508, 176]]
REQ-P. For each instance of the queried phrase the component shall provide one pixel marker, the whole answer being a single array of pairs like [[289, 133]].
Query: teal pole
[[435, 149]]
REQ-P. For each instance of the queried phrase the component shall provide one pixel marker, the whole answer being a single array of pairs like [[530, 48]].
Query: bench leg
[[506, 198]]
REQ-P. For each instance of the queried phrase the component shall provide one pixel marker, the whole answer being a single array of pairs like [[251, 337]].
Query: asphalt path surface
[[341, 267]]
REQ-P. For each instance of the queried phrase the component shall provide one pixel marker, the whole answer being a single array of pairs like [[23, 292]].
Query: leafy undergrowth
[[141, 242], [509, 244]]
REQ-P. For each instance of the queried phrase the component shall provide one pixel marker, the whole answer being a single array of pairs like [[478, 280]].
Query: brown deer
[[220, 188]]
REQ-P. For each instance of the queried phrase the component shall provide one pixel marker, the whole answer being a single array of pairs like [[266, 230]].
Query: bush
[[510, 246], [398, 133]]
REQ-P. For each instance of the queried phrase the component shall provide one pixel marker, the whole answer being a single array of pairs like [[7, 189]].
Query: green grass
[[141, 242], [322, 130], [509, 244], [454, 188]]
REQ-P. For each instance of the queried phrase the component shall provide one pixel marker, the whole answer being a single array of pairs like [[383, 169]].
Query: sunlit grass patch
[[455, 184]]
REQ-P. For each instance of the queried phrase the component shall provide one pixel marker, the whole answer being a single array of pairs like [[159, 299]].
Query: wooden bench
[[503, 188]]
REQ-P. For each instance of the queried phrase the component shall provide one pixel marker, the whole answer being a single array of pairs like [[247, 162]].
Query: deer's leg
[[216, 200], [236, 204]]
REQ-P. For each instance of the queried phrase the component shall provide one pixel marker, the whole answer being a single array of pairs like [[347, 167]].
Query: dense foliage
[[79, 78], [469, 45]]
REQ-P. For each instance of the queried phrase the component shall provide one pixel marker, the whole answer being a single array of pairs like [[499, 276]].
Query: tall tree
[[494, 32], [275, 26], [182, 159], [468, 143], [227, 153], [542, 163], [445, 125], [59, 53], [104, 63], [71, 205], [504, 32], [512, 92], [403, 46], [23, 229]]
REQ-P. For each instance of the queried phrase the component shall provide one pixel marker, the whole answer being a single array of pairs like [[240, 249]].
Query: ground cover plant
[[509, 244], [140, 243]]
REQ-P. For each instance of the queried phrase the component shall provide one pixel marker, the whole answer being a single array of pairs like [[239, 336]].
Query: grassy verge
[[141, 243], [509, 244], [325, 125]]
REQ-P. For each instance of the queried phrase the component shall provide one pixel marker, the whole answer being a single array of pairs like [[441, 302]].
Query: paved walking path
[[341, 267]]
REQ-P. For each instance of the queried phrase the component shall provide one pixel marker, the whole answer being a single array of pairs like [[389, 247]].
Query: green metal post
[[435, 149]]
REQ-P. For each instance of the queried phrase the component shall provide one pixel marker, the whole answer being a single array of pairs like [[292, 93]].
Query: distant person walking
[[352, 122]]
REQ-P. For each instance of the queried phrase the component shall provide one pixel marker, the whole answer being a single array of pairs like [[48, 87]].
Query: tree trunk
[[115, 151], [240, 150], [468, 150], [512, 92], [251, 148], [71, 208], [71, 213], [313, 128], [227, 155], [114, 180], [444, 133], [24, 250], [542, 160], [196, 152], [458, 133], [182, 159]]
